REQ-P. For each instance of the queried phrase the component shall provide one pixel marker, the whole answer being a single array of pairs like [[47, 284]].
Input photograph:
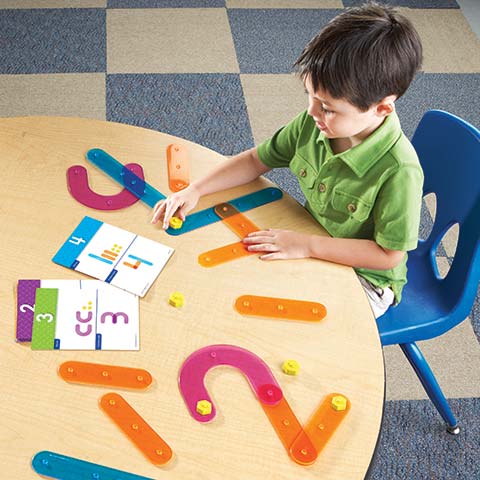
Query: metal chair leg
[[430, 384]]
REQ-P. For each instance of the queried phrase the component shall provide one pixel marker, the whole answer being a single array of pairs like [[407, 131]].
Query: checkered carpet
[[218, 72]]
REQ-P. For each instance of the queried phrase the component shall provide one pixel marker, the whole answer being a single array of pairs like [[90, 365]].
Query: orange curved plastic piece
[[108, 375], [136, 428], [178, 167], [280, 308], [235, 220], [223, 254], [290, 432], [320, 427]]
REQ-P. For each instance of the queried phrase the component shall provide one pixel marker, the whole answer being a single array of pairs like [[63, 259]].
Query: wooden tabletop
[[39, 411]]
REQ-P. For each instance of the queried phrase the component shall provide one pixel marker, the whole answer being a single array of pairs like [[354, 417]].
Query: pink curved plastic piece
[[196, 366], [77, 181]]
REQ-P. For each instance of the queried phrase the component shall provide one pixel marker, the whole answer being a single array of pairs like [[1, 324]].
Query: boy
[[359, 173]]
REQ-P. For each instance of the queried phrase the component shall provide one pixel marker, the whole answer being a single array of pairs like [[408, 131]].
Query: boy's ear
[[386, 106]]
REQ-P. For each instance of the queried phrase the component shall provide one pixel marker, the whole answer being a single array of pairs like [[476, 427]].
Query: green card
[[44, 319]]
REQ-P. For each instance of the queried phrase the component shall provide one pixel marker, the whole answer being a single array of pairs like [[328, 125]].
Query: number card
[[96, 317], [111, 254]]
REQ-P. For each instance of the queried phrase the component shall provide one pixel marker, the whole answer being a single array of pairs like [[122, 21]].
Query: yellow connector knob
[[339, 403], [291, 367], [176, 299], [204, 407], [176, 223]]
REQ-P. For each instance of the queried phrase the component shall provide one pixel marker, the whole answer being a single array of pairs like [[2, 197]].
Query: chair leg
[[430, 384]]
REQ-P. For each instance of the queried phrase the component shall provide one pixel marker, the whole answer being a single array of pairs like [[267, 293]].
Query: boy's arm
[[235, 171], [359, 253]]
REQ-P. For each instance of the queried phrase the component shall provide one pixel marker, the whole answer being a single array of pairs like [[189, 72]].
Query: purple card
[[25, 306]]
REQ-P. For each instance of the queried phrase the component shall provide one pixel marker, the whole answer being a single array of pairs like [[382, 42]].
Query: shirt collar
[[364, 155]]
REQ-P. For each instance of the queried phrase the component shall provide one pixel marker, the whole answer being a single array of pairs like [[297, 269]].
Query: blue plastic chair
[[449, 152]]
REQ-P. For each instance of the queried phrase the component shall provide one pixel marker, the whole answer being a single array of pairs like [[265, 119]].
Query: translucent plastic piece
[[280, 308], [53, 465], [289, 430], [178, 165], [242, 204], [77, 181], [321, 426], [224, 254], [196, 366], [107, 375], [132, 182], [136, 428], [235, 220]]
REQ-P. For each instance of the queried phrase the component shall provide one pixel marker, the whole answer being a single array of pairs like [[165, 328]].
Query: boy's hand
[[281, 244], [178, 205]]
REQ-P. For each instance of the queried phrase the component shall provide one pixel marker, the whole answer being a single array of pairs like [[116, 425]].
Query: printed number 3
[[44, 316]]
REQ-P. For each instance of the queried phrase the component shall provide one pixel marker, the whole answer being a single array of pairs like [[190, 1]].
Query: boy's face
[[338, 118]]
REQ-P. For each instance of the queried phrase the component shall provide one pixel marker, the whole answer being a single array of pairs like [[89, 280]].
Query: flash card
[[111, 254]]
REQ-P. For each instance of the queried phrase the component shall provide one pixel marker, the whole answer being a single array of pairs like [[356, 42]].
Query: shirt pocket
[[305, 174], [350, 205]]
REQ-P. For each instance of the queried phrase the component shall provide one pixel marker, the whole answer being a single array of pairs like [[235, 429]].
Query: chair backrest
[[449, 152]]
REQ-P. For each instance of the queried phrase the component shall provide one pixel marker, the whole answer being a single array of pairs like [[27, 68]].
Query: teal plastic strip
[[120, 173], [54, 465], [242, 204]]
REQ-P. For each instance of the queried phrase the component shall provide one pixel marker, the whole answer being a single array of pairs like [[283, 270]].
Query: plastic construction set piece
[[175, 223], [77, 181], [290, 367], [224, 254], [120, 173], [247, 202], [53, 465], [280, 308], [235, 220], [106, 375], [178, 167], [176, 299], [136, 428], [197, 365]]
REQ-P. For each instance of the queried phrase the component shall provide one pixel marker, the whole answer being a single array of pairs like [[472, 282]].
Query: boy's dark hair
[[363, 55]]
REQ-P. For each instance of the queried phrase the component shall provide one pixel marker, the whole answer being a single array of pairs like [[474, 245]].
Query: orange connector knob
[[204, 407]]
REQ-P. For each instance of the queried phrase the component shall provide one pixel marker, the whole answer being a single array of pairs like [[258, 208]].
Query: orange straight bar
[[107, 375], [223, 254], [235, 220], [136, 428], [280, 308], [178, 167]]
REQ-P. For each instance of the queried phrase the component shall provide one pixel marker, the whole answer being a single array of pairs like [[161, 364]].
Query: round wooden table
[[39, 411]]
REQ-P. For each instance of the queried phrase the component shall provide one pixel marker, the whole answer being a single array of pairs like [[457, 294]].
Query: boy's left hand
[[280, 244]]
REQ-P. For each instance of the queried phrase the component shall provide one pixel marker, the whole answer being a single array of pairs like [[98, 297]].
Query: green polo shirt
[[371, 191]]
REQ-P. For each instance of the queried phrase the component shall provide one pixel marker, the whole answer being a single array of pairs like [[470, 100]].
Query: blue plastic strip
[[78, 240], [133, 183], [54, 465], [242, 204]]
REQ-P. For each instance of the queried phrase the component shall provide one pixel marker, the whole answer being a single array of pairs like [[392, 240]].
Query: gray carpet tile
[[165, 3], [415, 446], [457, 93], [475, 315], [269, 40], [52, 41], [409, 3], [208, 109]]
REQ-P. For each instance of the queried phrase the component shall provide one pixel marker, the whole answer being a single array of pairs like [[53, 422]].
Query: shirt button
[[322, 187], [352, 207], [302, 172]]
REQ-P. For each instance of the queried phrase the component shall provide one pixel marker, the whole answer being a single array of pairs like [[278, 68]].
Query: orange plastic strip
[[108, 375], [289, 430], [320, 427], [135, 427], [223, 254], [235, 220], [280, 308], [178, 167]]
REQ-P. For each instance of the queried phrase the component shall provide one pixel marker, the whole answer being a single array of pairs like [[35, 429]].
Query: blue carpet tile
[[52, 41], [208, 109], [165, 3], [409, 3], [415, 446], [269, 41]]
